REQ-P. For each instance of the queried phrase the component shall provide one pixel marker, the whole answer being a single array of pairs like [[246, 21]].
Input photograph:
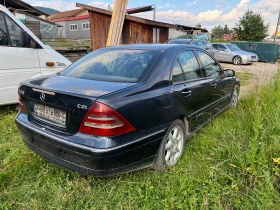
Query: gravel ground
[[263, 74]]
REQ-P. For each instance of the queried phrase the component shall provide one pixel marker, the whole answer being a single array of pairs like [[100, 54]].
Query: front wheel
[[237, 60], [234, 97], [172, 146]]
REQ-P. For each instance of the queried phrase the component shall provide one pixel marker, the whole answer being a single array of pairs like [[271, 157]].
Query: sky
[[209, 13]]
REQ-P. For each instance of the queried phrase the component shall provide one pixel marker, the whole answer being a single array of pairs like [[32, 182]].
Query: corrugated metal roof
[[128, 17], [140, 9], [21, 5]]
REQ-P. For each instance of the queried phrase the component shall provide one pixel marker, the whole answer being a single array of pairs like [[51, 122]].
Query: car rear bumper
[[138, 153]]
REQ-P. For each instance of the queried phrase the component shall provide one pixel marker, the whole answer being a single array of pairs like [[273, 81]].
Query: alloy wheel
[[234, 98], [237, 60], [174, 146]]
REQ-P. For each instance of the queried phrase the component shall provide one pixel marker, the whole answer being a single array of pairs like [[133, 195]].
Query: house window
[[86, 26], [73, 27]]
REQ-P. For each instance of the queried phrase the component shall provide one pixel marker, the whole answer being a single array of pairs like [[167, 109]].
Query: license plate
[[51, 114]]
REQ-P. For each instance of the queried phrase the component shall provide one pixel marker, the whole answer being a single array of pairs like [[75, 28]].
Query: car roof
[[153, 47], [220, 43]]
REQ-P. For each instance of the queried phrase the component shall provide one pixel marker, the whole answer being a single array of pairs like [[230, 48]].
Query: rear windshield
[[128, 66]]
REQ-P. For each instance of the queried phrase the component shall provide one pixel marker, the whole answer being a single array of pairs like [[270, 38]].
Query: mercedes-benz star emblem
[[42, 96]]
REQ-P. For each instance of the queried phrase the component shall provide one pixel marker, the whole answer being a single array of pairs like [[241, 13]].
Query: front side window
[[3, 31], [128, 66], [73, 27], [211, 67], [86, 26], [16, 33]]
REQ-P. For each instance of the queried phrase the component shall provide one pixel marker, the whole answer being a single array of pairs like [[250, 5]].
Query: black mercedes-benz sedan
[[124, 108]]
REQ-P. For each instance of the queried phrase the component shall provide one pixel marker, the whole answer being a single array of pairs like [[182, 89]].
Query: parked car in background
[[124, 108], [22, 56], [196, 42], [225, 52]]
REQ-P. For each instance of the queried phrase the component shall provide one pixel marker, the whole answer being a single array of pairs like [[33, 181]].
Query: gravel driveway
[[263, 73]]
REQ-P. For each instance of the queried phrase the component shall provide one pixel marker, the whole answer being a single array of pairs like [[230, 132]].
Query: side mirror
[[229, 73]]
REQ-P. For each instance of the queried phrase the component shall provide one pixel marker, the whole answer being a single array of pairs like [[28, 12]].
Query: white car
[[225, 52], [22, 56]]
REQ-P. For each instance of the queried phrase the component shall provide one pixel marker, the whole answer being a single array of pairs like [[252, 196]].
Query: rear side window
[[200, 44], [221, 47], [114, 65], [3, 31], [215, 46], [211, 67], [177, 75], [186, 67], [208, 46]]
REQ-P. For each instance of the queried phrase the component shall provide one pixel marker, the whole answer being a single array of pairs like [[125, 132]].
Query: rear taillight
[[102, 120], [21, 102]]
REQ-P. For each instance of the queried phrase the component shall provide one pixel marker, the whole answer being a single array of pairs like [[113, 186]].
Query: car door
[[191, 87], [218, 53], [224, 53], [220, 90], [18, 63]]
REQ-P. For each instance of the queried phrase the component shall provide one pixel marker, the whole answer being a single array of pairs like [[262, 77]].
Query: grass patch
[[232, 163], [244, 77]]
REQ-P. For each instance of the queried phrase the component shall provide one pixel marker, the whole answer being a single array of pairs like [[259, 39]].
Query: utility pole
[[117, 21], [277, 26]]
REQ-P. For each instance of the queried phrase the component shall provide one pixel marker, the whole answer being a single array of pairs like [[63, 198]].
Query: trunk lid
[[60, 103]]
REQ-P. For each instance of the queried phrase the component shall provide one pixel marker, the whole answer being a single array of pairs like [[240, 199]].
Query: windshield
[[233, 47], [128, 66]]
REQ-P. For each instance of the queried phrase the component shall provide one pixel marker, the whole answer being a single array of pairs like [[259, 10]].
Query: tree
[[218, 31], [227, 30], [251, 27]]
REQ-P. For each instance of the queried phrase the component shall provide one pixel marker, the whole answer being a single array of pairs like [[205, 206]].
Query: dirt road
[[263, 73]]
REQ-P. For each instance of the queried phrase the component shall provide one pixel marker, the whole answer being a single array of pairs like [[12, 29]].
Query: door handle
[[214, 85], [186, 93]]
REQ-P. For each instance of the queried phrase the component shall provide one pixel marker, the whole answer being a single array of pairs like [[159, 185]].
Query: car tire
[[234, 97], [171, 147], [237, 60]]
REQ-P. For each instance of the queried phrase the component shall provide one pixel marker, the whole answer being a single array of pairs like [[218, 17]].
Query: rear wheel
[[237, 60], [172, 146]]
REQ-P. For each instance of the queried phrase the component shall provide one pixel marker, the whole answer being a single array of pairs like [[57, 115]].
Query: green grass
[[61, 42], [227, 165], [245, 77]]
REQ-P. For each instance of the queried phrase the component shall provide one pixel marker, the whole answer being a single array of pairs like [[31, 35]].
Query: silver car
[[225, 52]]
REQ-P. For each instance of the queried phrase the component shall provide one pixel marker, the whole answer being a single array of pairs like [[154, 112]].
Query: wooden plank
[[117, 21], [98, 30]]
